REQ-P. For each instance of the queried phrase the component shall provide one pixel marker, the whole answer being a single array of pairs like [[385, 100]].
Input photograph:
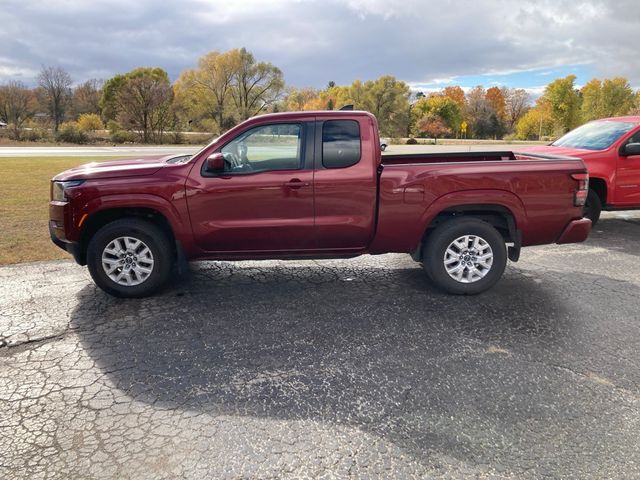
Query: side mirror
[[215, 163], [630, 149]]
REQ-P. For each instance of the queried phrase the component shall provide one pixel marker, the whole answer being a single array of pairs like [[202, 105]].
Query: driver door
[[263, 200], [628, 176]]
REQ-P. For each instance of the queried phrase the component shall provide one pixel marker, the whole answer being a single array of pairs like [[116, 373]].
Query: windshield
[[595, 135]]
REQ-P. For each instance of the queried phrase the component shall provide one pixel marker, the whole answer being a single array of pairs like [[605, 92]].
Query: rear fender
[[470, 200]]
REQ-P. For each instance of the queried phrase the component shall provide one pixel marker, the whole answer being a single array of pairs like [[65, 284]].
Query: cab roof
[[627, 118], [313, 113]]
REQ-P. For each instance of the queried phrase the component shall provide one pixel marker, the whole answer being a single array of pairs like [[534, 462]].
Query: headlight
[[58, 188]]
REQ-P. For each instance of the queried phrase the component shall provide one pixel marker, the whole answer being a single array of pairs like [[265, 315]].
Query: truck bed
[[419, 186], [417, 158], [457, 157]]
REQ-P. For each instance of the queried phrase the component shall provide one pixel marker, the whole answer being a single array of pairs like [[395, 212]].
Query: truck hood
[[559, 151], [129, 167]]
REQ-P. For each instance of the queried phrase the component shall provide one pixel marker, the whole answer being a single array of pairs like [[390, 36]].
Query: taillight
[[580, 197]]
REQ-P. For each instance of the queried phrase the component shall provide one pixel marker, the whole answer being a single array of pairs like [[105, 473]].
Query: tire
[[383, 147], [476, 275], [144, 272], [592, 207]]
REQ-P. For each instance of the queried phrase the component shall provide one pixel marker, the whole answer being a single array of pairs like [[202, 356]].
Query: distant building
[[41, 118]]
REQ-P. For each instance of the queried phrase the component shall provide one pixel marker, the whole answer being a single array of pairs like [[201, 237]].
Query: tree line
[[225, 88], [563, 107]]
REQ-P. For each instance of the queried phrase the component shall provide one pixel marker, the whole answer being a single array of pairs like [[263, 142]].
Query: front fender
[[116, 201]]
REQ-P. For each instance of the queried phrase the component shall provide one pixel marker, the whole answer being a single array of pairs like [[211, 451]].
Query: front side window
[[598, 135], [635, 138], [268, 147], [340, 143]]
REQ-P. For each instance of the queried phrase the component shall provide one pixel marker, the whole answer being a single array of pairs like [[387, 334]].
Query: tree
[[609, 98], [456, 94], [16, 105], [86, 97], [516, 105], [617, 96], [537, 122], [296, 98], [433, 126], [255, 86], [320, 102], [205, 92], [480, 114], [564, 101], [141, 101], [498, 117], [591, 107], [388, 99], [635, 108], [441, 106], [56, 90], [327, 99], [498, 103]]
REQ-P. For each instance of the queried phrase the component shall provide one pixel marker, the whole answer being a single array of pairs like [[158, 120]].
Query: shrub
[[35, 134], [412, 141], [175, 138], [199, 139], [204, 125], [121, 136], [70, 132], [113, 126], [90, 122]]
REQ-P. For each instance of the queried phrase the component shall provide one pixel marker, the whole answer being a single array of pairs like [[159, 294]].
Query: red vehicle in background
[[611, 150], [314, 185]]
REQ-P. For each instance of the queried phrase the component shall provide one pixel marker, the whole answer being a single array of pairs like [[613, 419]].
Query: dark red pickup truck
[[611, 150], [314, 185]]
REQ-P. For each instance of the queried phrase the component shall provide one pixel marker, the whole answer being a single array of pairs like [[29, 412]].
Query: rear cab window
[[340, 143]]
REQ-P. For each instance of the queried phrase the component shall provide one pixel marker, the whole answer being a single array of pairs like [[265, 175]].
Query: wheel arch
[[100, 218], [499, 216], [599, 186]]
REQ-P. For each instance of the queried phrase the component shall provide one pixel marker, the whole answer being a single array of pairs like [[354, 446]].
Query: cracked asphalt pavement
[[328, 369]]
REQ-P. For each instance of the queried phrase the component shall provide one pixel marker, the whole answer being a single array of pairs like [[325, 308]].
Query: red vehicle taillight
[[580, 197]]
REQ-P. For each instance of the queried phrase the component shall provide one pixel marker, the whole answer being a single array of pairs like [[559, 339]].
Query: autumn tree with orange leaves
[[432, 126]]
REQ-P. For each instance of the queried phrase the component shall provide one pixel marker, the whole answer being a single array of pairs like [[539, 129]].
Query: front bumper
[[73, 248], [576, 231]]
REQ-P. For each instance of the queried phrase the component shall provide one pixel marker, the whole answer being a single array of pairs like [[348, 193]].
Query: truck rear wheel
[[129, 258], [465, 256], [592, 207]]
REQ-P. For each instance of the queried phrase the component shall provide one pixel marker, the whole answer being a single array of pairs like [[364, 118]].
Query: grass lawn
[[24, 206]]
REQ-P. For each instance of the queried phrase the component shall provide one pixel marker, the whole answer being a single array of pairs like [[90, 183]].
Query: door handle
[[296, 183]]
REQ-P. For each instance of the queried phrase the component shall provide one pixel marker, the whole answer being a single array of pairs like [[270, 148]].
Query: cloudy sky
[[429, 44]]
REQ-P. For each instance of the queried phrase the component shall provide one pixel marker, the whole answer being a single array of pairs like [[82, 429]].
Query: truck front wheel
[[129, 258], [465, 256]]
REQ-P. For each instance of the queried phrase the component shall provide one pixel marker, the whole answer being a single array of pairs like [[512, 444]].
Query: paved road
[[95, 151], [168, 150], [328, 369]]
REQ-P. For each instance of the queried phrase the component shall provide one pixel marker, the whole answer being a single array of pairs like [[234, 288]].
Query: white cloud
[[315, 41]]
